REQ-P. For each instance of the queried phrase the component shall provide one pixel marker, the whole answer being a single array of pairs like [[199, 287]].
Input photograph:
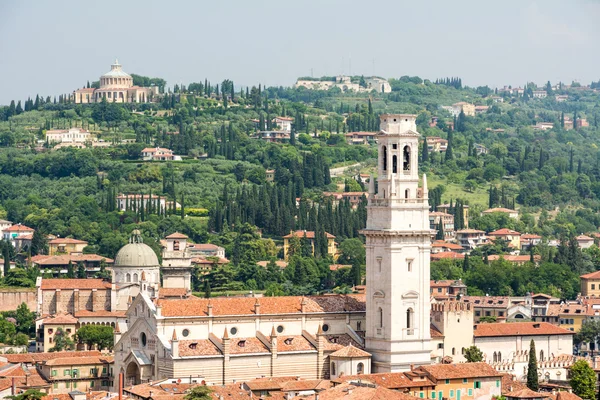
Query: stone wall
[[10, 299]]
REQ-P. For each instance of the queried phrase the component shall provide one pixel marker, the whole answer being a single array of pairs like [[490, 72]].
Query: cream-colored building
[[65, 246], [71, 135], [116, 86], [452, 319]]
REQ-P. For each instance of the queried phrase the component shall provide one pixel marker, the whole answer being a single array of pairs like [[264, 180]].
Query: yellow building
[[66, 246], [590, 284], [464, 381], [310, 235], [570, 316], [67, 374], [512, 237], [53, 324]]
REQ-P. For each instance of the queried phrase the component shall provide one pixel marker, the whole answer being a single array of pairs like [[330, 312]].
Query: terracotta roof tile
[[173, 292], [176, 235], [99, 313], [67, 241], [591, 275], [458, 371], [514, 258], [18, 228], [293, 343], [526, 393], [348, 391], [80, 361], [350, 352], [191, 348], [305, 385], [447, 254], [50, 284], [434, 332], [60, 319], [247, 345], [499, 209], [389, 380], [39, 357], [504, 232], [337, 342], [194, 306], [519, 329]]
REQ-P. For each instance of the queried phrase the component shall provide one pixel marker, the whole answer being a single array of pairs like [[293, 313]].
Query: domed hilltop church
[[220, 340], [115, 86]]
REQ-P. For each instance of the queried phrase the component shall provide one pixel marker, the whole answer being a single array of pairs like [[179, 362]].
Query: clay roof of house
[[18, 228], [247, 345], [526, 393], [336, 342], [439, 214], [40, 357], [80, 360], [530, 236], [434, 332], [349, 391], [584, 237], [195, 306], [591, 275], [513, 258], [67, 241], [270, 383], [504, 232], [204, 246], [28, 378], [350, 352], [99, 313], [201, 260], [52, 284], [155, 149], [519, 329], [293, 343], [309, 235], [488, 301], [335, 267], [361, 133], [446, 254], [70, 258], [447, 245], [305, 384], [285, 118], [564, 395], [60, 319], [511, 383], [176, 235], [499, 209], [446, 283], [173, 292], [458, 371], [194, 348], [388, 380], [569, 309], [280, 263]]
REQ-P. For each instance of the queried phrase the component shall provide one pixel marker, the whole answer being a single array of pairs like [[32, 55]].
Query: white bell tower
[[398, 243]]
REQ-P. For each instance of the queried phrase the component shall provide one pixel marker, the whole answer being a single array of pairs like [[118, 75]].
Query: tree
[[96, 335], [583, 380], [62, 341], [29, 394], [81, 271], [6, 256], [207, 289], [473, 354], [532, 372], [196, 393], [70, 271], [39, 243], [425, 152]]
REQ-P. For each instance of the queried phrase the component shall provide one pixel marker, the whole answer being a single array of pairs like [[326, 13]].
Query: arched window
[[406, 158], [176, 245], [495, 357], [135, 277], [360, 368], [384, 157], [410, 314], [406, 193], [380, 317], [358, 325], [499, 356], [453, 351], [394, 164], [541, 355], [128, 278], [332, 369]]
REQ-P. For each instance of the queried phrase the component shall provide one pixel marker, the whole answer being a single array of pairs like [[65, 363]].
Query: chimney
[[303, 305], [210, 313], [257, 307]]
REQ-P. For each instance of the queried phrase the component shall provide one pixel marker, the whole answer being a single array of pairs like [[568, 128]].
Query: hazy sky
[[53, 47]]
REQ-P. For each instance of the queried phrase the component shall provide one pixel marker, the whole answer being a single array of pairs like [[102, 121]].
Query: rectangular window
[[470, 392], [433, 394], [465, 380], [67, 372], [497, 382], [451, 393], [421, 395], [74, 384], [75, 372], [54, 372], [447, 381], [409, 264], [91, 384], [55, 385], [501, 313], [487, 314], [593, 286], [477, 385], [104, 370], [478, 313]]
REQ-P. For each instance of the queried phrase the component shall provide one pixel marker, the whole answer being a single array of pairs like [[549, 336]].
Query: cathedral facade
[[220, 340]]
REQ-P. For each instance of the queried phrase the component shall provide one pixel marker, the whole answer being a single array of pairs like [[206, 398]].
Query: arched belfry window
[[380, 317], [394, 164], [406, 158], [384, 157]]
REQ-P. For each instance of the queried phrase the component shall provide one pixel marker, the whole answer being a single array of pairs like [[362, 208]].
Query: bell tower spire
[[398, 242]]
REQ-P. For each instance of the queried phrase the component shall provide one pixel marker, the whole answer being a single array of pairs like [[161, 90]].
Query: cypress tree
[[466, 267], [207, 288], [6, 256], [532, 372], [425, 152], [182, 206]]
